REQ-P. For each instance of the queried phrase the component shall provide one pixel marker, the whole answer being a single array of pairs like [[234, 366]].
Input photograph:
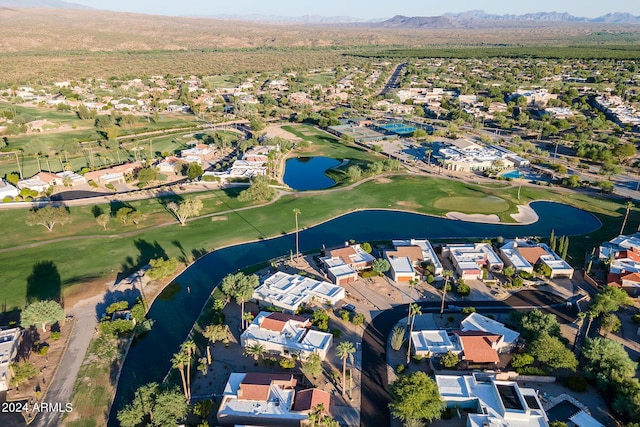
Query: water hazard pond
[[177, 308], [308, 173]]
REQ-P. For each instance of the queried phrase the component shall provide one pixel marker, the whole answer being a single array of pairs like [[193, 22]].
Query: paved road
[[375, 399], [394, 80]]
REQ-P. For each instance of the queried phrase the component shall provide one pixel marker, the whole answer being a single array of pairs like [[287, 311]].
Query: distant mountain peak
[[44, 4], [481, 19]]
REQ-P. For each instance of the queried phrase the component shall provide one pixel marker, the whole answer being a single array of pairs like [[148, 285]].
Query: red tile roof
[[256, 386], [276, 321], [532, 255], [629, 254], [614, 279], [307, 400], [414, 253], [631, 277], [478, 348], [343, 253]]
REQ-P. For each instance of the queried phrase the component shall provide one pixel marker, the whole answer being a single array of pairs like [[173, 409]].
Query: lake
[[176, 309], [308, 173]]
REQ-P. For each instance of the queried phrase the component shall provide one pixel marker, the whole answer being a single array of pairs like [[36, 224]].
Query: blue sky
[[365, 9]]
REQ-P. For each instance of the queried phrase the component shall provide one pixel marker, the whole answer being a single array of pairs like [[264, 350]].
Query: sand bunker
[[525, 215], [489, 219]]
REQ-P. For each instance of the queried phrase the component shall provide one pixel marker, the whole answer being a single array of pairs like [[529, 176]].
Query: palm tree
[[412, 285], [255, 350], [345, 351], [428, 153], [628, 205], [447, 274], [414, 310], [248, 317], [296, 212], [580, 321], [178, 361], [188, 347]]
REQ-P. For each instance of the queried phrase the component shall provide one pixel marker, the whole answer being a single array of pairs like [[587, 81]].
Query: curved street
[[374, 410]]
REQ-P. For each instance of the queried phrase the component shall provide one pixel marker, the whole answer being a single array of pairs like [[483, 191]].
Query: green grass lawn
[[320, 78], [325, 144], [483, 205], [86, 259]]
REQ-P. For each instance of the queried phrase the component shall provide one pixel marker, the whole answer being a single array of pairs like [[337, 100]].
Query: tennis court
[[398, 128]]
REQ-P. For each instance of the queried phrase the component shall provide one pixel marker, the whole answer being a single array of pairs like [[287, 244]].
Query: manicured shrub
[[400, 368], [577, 384]]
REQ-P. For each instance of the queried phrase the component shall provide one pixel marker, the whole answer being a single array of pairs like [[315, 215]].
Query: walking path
[[85, 315]]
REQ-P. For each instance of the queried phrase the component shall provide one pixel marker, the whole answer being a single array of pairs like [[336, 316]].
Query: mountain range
[[469, 19], [44, 4], [480, 19]]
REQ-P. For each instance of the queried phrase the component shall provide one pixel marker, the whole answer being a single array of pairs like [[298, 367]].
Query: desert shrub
[[345, 315], [368, 274], [358, 319], [449, 360], [463, 289], [636, 319], [397, 338], [55, 336], [468, 310], [400, 368], [43, 350], [287, 364], [337, 333]]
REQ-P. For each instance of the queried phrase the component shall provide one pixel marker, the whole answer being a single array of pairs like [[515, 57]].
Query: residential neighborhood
[[401, 215]]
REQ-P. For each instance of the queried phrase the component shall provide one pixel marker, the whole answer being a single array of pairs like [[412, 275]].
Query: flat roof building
[[428, 254], [286, 334], [429, 342], [339, 272], [9, 342], [290, 291], [469, 259], [267, 399], [523, 255], [497, 403]]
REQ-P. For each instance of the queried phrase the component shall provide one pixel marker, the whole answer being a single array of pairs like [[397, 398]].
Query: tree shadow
[[115, 205], [30, 336], [96, 211], [130, 295], [170, 291], [9, 317], [147, 252], [169, 197], [198, 253], [44, 282]]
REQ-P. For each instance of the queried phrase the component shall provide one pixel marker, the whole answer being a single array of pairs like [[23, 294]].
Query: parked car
[[349, 307]]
